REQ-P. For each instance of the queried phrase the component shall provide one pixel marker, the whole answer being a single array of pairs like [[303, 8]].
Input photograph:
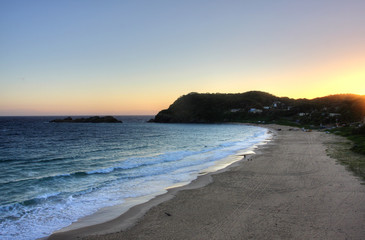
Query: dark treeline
[[261, 106]]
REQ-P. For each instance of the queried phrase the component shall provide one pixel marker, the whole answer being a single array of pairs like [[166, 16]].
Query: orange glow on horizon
[[309, 82]]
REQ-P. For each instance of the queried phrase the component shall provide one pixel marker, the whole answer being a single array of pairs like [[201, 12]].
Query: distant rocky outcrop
[[96, 119]]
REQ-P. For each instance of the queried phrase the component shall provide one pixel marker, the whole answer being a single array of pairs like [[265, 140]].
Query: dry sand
[[291, 189]]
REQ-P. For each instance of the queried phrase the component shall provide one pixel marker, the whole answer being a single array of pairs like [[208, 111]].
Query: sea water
[[52, 174]]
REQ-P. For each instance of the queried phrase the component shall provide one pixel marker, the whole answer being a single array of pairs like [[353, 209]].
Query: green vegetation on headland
[[260, 106], [96, 119], [334, 111]]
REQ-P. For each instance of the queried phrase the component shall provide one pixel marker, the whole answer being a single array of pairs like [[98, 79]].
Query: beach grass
[[356, 135], [342, 150]]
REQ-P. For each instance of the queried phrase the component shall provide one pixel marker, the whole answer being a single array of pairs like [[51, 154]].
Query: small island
[[95, 119]]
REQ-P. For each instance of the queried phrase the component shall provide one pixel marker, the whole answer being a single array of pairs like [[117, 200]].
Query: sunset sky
[[86, 57]]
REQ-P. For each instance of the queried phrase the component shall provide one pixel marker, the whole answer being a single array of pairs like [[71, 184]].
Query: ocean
[[52, 174]]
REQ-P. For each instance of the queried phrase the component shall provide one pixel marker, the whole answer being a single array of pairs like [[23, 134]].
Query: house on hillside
[[276, 104], [255, 110], [334, 114]]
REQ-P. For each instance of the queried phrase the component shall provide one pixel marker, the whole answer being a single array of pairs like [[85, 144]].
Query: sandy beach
[[290, 189]]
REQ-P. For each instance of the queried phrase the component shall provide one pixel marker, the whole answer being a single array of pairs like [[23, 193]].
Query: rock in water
[[96, 119]]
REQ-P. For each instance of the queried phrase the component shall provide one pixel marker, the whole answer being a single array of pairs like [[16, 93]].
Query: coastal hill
[[265, 107], [96, 119]]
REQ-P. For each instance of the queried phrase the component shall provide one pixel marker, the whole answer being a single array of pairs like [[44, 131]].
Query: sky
[[134, 57]]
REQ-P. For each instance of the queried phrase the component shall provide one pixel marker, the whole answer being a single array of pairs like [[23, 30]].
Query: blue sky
[[136, 57]]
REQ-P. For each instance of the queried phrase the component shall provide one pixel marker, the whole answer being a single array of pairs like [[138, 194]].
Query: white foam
[[141, 177]]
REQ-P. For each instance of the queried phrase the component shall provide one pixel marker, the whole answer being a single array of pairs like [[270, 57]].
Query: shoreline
[[128, 216], [290, 189]]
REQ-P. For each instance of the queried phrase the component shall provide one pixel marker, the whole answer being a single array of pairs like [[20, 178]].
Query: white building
[[276, 104], [254, 110]]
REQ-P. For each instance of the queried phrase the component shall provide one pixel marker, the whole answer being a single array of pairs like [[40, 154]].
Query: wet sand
[[290, 189]]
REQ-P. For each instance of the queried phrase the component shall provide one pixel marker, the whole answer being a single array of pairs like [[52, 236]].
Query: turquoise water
[[54, 173]]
